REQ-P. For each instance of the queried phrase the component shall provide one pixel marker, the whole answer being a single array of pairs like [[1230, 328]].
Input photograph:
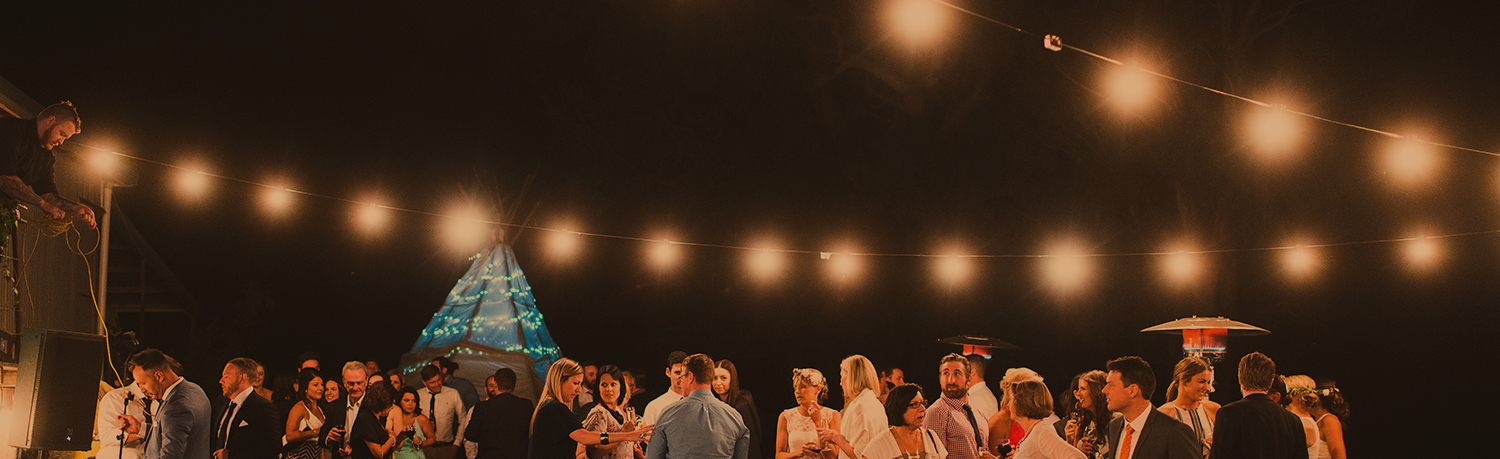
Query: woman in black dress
[[555, 431], [727, 386], [368, 439]]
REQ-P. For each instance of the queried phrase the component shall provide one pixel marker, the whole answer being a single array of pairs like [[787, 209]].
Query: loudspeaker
[[57, 389]]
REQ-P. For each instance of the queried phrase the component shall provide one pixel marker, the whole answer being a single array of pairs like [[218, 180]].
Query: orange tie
[[1125, 445]]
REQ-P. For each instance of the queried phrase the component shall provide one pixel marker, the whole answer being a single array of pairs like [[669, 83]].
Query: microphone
[[129, 397]]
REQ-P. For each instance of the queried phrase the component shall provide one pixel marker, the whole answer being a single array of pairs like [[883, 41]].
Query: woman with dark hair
[[1030, 405], [1067, 401], [555, 430], [726, 385], [905, 439], [1301, 397], [1192, 380], [606, 415], [1090, 416], [368, 439], [409, 426], [1330, 413], [305, 418]]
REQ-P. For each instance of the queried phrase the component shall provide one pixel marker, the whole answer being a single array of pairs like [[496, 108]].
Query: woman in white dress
[[1330, 413], [863, 416], [797, 428], [306, 417], [1192, 380], [904, 438], [1301, 396]]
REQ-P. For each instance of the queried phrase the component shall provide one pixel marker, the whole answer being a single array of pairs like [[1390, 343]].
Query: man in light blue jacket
[[181, 425]]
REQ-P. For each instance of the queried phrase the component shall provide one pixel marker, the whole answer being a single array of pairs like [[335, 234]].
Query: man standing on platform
[[500, 424], [248, 427], [26, 161], [441, 404], [674, 393], [980, 396], [181, 428], [339, 420], [699, 426], [1256, 427], [1142, 432], [951, 418]]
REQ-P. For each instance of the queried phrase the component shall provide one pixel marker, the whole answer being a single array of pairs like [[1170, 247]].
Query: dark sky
[[729, 120]]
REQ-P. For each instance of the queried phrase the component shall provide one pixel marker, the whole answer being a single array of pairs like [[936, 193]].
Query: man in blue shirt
[[699, 426]]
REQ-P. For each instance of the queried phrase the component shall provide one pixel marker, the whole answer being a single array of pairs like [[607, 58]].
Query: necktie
[[978, 442], [432, 406], [224, 427], [1125, 444]]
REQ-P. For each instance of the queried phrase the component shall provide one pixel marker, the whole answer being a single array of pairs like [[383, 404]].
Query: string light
[[952, 270], [1066, 268], [370, 218], [466, 229], [1272, 131], [564, 244], [192, 184], [843, 267], [1410, 162], [1180, 267], [764, 263], [1130, 88], [663, 254], [105, 162], [1421, 253], [277, 200], [1300, 261], [919, 22]]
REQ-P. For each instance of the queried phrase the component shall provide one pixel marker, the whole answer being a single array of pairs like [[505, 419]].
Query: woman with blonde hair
[[1005, 434], [555, 431], [1300, 398], [1192, 380], [797, 428], [864, 416]]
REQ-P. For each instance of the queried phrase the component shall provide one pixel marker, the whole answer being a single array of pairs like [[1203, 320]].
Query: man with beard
[[951, 417], [26, 161]]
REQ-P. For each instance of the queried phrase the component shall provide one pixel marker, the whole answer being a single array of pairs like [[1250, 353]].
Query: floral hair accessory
[[812, 376]]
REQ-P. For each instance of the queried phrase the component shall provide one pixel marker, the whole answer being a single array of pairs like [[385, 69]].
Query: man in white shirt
[[980, 398], [1127, 391], [338, 423], [674, 373], [111, 407], [446, 410]]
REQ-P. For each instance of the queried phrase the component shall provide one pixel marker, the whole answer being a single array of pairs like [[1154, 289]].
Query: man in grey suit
[[181, 427], [1141, 432]]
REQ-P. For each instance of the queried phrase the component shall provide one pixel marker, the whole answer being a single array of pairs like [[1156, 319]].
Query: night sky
[[813, 124]]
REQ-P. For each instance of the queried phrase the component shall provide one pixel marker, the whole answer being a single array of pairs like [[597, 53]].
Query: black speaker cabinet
[[57, 386]]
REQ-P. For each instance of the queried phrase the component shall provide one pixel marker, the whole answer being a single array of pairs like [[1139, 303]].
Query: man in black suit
[[1256, 427], [1141, 432], [340, 415], [500, 425], [247, 427]]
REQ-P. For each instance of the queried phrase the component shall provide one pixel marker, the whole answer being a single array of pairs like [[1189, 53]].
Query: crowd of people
[[587, 411]]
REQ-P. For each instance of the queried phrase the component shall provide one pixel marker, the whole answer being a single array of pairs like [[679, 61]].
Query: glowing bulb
[[842, 266], [663, 254], [1409, 161], [1066, 268], [565, 244], [952, 269], [370, 218], [920, 22], [1421, 253], [192, 184], [1300, 262], [764, 264], [1180, 267], [105, 162], [465, 229], [1273, 132], [276, 200], [1130, 88]]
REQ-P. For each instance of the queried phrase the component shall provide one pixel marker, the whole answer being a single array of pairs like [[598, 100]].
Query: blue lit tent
[[489, 321]]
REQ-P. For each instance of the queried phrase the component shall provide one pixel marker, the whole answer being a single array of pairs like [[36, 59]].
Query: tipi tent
[[489, 321]]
